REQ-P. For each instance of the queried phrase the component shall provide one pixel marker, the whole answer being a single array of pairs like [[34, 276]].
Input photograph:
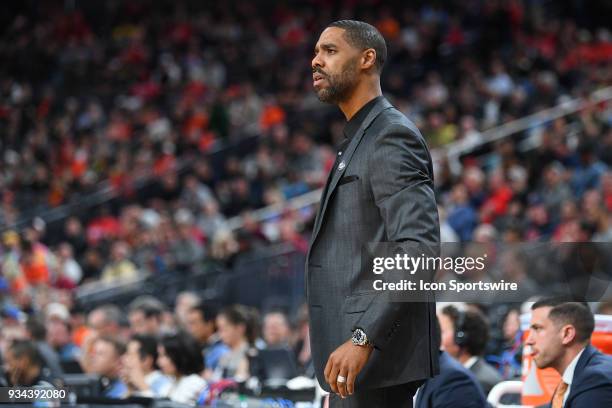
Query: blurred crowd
[[195, 350], [188, 354], [132, 99], [182, 115]]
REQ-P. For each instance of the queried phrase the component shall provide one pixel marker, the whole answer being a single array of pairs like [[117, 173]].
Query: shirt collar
[[353, 124], [568, 374], [470, 362]]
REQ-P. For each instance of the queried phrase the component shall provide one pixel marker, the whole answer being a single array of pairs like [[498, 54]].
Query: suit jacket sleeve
[[401, 180]]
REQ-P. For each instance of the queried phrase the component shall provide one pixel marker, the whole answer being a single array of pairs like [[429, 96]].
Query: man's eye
[[331, 51]]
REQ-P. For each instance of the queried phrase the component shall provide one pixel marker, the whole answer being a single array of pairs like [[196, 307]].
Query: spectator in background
[[288, 232], [224, 246], [251, 236], [180, 359], [24, 365], [473, 178], [106, 362], [59, 336], [145, 315], [464, 337], [276, 329], [103, 320], [140, 371], [69, 272], [36, 262], [201, 325], [447, 233], [560, 338], [306, 159], [92, 264], [568, 217], [74, 235], [210, 219], [59, 332], [596, 214], [499, 196], [238, 334], [10, 266], [64, 141], [120, 269], [455, 386], [554, 190], [302, 343], [590, 169], [185, 301], [187, 249], [195, 194], [37, 332], [512, 267], [510, 356]]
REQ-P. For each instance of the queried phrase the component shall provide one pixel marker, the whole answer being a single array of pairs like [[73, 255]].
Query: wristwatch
[[359, 338]]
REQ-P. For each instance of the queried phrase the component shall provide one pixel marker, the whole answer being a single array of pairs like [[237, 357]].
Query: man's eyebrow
[[326, 46]]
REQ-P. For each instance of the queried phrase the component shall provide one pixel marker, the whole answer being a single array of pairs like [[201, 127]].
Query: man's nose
[[316, 62], [529, 340]]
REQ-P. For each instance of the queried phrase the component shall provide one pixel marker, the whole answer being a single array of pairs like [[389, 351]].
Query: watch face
[[359, 337]]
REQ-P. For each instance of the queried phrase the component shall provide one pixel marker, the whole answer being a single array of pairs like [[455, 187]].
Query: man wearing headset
[[454, 387], [464, 336]]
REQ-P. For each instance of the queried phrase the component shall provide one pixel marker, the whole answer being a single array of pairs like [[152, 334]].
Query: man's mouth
[[317, 78]]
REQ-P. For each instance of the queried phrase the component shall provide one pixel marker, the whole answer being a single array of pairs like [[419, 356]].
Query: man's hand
[[347, 361]]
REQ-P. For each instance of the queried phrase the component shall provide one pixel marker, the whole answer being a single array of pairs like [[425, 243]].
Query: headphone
[[461, 337]]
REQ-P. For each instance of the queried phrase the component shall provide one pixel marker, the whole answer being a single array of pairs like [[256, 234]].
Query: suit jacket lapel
[[580, 366], [336, 174]]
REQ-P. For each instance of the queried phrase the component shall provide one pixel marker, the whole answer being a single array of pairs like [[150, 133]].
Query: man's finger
[[350, 381], [342, 384], [333, 377], [328, 367]]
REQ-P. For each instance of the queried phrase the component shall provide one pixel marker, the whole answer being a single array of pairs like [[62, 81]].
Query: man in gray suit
[[366, 351]]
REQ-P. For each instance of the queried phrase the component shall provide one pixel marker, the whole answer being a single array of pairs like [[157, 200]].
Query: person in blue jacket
[[454, 387]]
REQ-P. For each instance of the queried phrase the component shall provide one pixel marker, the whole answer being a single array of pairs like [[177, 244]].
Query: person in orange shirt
[[35, 263]]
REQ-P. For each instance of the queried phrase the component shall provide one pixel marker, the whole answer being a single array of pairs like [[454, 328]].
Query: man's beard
[[340, 85]]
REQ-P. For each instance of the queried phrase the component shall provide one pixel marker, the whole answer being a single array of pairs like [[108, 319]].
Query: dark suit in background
[[455, 387], [592, 383], [380, 190]]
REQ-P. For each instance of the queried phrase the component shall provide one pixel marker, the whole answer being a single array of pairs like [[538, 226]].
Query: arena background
[[159, 154]]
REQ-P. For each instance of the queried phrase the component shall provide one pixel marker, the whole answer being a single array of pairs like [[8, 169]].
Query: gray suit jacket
[[382, 193], [486, 375]]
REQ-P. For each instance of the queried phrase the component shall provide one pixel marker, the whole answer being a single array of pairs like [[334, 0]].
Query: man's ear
[[568, 334], [368, 58]]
